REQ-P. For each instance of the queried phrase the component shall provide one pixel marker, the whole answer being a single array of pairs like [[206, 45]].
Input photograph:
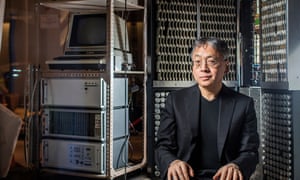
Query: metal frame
[[110, 6]]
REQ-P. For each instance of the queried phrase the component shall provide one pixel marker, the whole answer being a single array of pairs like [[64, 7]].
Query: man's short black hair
[[218, 44]]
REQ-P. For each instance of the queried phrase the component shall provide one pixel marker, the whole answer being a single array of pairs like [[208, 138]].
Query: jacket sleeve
[[247, 158]]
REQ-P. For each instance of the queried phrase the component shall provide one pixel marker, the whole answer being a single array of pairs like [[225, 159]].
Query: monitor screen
[[87, 31]]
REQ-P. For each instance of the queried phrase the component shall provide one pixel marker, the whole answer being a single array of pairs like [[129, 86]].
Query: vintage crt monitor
[[86, 43], [87, 35]]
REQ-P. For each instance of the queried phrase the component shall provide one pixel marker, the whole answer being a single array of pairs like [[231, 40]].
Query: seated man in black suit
[[208, 131]]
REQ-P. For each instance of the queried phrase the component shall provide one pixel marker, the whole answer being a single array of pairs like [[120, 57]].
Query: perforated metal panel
[[277, 136], [178, 25], [176, 32], [280, 44], [274, 40], [280, 144], [159, 103]]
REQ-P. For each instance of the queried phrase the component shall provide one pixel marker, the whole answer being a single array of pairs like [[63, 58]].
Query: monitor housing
[[87, 34], [86, 43]]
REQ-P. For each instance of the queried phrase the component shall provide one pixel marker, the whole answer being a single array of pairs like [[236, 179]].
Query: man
[[208, 131]]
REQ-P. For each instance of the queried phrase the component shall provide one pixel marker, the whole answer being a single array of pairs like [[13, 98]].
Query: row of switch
[[159, 103], [276, 133], [274, 39]]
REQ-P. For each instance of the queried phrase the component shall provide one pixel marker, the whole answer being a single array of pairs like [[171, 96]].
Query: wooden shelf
[[90, 5]]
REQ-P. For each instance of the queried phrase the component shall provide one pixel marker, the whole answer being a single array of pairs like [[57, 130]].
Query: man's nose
[[203, 66]]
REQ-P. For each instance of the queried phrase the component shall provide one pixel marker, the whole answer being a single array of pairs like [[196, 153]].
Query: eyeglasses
[[209, 62]]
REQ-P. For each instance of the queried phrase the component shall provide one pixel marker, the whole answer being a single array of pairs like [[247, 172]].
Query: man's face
[[209, 67]]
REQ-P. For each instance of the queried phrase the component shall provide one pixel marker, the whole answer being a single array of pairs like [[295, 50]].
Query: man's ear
[[226, 66]]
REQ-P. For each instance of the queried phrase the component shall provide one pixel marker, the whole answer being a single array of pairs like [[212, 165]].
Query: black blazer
[[237, 138]]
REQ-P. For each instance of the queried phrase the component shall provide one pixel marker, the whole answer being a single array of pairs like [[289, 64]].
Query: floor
[[19, 170]]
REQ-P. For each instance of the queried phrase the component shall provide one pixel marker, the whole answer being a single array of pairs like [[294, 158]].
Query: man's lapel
[[193, 101], [225, 116]]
